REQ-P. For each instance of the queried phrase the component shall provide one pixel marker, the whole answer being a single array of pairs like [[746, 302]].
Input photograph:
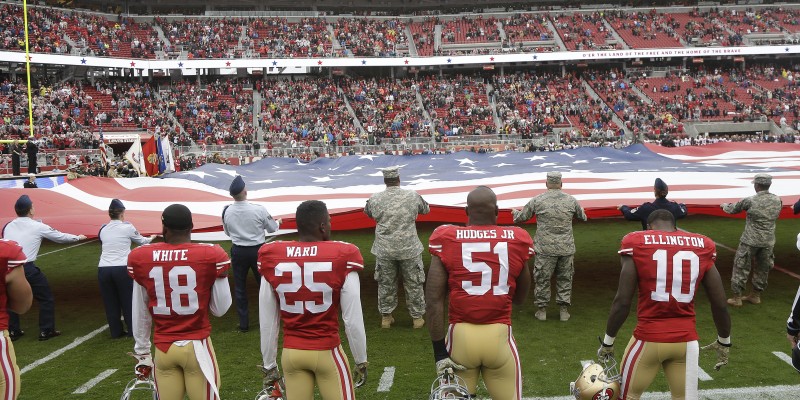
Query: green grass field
[[550, 351]]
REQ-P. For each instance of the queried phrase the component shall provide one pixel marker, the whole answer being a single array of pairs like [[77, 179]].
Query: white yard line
[[387, 379], [775, 267], [703, 375], [75, 343], [777, 392], [94, 381], [783, 356], [67, 248]]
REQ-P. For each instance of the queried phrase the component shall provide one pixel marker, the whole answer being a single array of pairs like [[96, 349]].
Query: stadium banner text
[[105, 62]]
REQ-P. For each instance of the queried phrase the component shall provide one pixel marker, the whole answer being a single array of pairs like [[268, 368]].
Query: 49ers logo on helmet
[[605, 394]]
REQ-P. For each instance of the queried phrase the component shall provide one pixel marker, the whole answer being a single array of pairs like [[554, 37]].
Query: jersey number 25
[[304, 277]]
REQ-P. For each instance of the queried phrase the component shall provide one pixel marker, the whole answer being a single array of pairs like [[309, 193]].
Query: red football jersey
[[307, 278], [178, 279], [11, 256], [670, 265], [482, 263]]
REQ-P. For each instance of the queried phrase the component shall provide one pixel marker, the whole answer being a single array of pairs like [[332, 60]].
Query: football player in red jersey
[[304, 284], [483, 268], [666, 265], [176, 284], [15, 295]]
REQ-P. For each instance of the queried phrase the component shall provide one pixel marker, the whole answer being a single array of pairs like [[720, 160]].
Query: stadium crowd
[[276, 37], [63, 31], [345, 111]]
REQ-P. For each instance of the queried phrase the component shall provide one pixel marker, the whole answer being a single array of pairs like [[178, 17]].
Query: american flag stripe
[[600, 178]]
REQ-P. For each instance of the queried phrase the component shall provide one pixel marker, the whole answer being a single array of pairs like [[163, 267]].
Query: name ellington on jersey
[[675, 240]]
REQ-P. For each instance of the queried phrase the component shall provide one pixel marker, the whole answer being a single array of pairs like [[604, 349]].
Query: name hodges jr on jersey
[[483, 234]]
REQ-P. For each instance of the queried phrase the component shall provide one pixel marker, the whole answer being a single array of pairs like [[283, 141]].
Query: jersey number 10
[[661, 294]]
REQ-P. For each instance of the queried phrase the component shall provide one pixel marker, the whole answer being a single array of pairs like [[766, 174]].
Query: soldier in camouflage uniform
[[553, 242], [756, 241], [397, 247]]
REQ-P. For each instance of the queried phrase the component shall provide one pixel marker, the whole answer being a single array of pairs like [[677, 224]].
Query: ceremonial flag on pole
[[169, 156], [150, 156], [134, 156], [103, 150], [162, 166]]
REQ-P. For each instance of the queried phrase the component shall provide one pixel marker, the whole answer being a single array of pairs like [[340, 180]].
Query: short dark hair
[[661, 215], [240, 196], [114, 213], [22, 212], [310, 214]]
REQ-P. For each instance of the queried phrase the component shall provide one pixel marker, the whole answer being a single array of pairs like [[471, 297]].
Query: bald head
[[482, 206]]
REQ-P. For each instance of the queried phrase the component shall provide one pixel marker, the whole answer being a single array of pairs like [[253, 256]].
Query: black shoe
[[121, 335], [15, 334], [242, 330], [49, 334]]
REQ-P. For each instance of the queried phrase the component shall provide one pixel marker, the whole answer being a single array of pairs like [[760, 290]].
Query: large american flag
[[600, 178]]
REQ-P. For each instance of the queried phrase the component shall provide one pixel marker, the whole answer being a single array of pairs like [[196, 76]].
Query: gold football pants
[[178, 373], [329, 369], [9, 381], [642, 360], [488, 351]]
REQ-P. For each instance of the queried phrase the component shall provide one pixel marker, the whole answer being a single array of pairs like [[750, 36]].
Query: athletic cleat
[[15, 334]]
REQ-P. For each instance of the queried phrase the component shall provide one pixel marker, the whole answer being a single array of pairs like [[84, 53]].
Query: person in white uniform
[[116, 286], [29, 233]]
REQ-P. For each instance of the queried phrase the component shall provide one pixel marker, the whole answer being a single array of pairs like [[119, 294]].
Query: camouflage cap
[[554, 177], [391, 173], [762, 179]]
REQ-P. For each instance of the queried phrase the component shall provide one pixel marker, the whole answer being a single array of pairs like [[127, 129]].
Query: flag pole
[[28, 67]]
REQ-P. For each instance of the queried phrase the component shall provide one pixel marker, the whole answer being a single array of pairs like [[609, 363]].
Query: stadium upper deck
[[314, 35]]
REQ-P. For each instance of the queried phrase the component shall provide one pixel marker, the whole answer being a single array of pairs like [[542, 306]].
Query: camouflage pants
[[413, 274], [543, 268], [765, 260]]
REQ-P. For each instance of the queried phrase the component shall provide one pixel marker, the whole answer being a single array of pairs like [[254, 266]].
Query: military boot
[[541, 315], [753, 298], [564, 313], [387, 321], [735, 301]]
